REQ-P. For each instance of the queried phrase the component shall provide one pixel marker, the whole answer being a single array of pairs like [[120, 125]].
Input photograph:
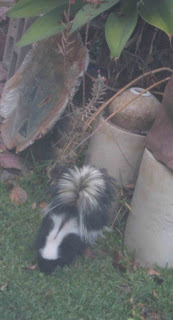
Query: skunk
[[76, 216]]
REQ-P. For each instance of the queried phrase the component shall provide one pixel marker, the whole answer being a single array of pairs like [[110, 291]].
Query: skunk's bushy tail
[[88, 192]]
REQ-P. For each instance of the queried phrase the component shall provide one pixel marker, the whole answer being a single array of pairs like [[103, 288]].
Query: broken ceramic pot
[[37, 95]]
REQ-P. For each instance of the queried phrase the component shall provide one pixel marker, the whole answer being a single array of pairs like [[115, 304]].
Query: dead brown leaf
[[117, 256], [43, 205], [156, 275], [18, 195], [117, 261], [154, 293], [4, 286], [8, 159], [29, 267], [140, 305], [131, 300], [88, 253], [49, 293], [151, 315], [152, 272], [32, 267], [34, 205]]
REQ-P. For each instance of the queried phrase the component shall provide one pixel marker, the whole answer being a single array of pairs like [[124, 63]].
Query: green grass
[[91, 289]]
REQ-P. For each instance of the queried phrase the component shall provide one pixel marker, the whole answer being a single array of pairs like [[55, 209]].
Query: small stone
[[138, 114]]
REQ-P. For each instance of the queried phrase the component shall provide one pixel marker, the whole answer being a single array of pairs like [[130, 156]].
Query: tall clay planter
[[149, 229]]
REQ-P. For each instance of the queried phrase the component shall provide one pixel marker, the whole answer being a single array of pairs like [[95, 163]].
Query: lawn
[[101, 287]]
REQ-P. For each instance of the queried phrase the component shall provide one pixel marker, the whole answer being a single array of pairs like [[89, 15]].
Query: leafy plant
[[159, 13], [119, 26]]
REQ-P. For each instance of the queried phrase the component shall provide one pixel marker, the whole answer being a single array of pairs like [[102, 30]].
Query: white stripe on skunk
[[77, 214], [54, 238]]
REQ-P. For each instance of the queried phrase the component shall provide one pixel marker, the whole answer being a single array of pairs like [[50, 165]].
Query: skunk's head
[[47, 266]]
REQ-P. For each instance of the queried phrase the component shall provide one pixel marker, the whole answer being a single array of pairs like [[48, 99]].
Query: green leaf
[[44, 27], [119, 27], [158, 13], [48, 25], [32, 8], [89, 12]]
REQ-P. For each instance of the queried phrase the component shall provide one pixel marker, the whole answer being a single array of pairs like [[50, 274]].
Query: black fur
[[46, 227], [78, 196], [70, 248]]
